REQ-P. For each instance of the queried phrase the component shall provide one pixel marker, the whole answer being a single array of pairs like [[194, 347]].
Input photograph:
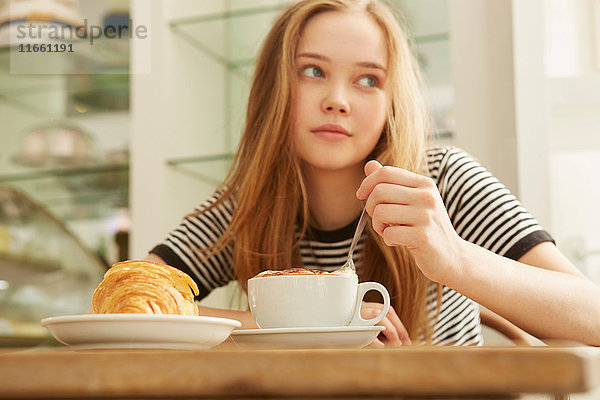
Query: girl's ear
[[372, 166]]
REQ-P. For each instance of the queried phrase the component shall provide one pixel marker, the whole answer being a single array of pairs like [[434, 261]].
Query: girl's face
[[341, 99]]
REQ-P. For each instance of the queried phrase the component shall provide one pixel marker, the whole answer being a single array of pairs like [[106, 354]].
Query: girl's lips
[[331, 132]]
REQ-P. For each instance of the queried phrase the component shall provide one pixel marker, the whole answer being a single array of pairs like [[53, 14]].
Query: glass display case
[[45, 270], [52, 144], [64, 172], [64, 134]]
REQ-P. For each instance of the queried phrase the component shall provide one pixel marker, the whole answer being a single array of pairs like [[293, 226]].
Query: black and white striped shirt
[[481, 210]]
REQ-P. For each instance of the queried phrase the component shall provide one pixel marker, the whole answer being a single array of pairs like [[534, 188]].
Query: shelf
[[229, 14], [31, 340], [442, 135], [230, 38], [74, 193], [18, 263], [25, 175], [93, 79], [19, 270], [210, 168]]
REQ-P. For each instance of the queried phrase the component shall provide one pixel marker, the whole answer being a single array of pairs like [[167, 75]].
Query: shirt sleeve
[[185, 246], [482, 210]]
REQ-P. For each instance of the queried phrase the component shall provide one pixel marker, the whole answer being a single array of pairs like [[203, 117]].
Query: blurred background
[[99, 162]]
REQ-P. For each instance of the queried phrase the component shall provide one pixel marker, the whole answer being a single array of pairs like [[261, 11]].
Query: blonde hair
[[266, 181]]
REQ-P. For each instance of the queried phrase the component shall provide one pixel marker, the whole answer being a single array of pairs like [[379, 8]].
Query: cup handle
[[363, 288]]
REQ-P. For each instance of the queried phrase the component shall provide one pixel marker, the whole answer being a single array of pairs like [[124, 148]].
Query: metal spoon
[[359, 229]]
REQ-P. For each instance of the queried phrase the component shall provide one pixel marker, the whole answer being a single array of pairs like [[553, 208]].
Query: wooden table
[[407, 372]]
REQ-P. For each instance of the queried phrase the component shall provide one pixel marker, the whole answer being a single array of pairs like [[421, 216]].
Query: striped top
[[481, 209]]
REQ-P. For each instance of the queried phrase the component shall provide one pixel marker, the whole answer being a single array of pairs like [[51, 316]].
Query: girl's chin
[[334, 165]]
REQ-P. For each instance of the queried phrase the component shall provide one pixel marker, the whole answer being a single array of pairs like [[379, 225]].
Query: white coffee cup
[[290, 301]]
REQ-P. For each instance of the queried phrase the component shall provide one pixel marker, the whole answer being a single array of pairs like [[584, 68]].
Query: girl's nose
[[336, 102]]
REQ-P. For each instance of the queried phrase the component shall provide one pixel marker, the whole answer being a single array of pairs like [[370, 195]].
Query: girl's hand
[[406, 209], [395, 333]]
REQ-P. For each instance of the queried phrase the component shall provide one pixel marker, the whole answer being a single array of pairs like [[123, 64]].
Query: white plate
[[342, 337], [139, 331]]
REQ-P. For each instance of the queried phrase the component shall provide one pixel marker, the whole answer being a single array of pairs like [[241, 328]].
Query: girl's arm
[[245, 317], [542, 292]]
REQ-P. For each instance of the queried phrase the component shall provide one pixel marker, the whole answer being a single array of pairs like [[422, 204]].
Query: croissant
[[143, 287]]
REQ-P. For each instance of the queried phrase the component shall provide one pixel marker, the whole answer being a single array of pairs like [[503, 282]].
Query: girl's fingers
[[390, 332], [395, 332], [371, 167], [388, 193], [402, 332], [389, 174], [371, 310], [376, 344], [397, 236], [385, 215]]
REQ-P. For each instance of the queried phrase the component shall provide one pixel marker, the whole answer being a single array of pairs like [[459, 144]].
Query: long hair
[[266, 182]]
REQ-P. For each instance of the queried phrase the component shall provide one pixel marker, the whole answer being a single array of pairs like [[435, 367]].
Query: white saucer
[[340, 337], [139, 331]]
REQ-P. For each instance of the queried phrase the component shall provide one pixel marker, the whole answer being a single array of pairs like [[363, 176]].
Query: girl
[[336, 85]]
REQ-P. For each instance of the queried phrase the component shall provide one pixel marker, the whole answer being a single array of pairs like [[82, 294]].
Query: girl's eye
[[313, 72], [369, 81]]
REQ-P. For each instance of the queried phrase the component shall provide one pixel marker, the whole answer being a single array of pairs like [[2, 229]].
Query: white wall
[[481, 56], [497, 69], [177, 112], [573, 83], [527, 84]]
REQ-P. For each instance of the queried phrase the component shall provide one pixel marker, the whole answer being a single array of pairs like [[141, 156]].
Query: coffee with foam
[[303, 271], [301, 297]]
